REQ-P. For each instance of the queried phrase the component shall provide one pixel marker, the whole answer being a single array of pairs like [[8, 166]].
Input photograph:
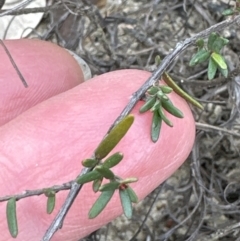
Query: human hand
[[48, 128]]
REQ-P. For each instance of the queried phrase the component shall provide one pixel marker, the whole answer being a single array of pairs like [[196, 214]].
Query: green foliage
[[132, 195], [169, 81], [156, 102], [113, 138], [232, 11], [100, 172], [212, 53], [101, 203], [51, 195], [89, 163], [105, 172], [126, 202], [12, 217], [88, 177], [97, 184], [113, 160]]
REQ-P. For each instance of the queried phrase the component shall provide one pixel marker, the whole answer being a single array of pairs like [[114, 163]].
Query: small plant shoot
[[212, 53]]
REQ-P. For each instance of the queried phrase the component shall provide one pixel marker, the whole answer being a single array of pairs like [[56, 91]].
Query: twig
[[180, 47], [29, 193], [202, 126], [221, 232], [23, 4]]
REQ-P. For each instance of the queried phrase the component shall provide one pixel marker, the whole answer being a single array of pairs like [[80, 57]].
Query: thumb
[[45, 145]]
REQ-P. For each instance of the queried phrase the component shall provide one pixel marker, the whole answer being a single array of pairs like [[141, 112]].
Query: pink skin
[[45, 145]]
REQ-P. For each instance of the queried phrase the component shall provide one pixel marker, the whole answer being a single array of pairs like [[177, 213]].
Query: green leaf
[[156, 126], [113, 160], [132, 195], [169, 107], [170, 82], [212, 69], [109, 186], [155, 106], [224, 72], [148, 104], [97, 184], [129, 180], [166, 89], [218, 44], [211, 39], [157, 60], [105, 172], [12, 217], [201, 56], [200, 43], [153, 90], [100, 204], [114, 137], [160, 94], [163, 116], [88, 177], [90, 163], [51, 203], [219, 60], [126, 203], [228, 12]]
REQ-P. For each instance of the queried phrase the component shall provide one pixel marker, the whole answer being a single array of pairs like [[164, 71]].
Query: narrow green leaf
[[212, 68], [200, 43], [157, 60], [113, 160], [153, 90], [109, 186], [200, 57], [163, 116], [105, 172], [169, 107], [211, 39], [219, 60], [126, 203], [160, 94], [155, 106], [133, 196], [148, 104], [169, 81], [88, 177], [129, 180], [51, 203], [115, 135], [97, 184], [224, 72], [166, 89], [90, 163], [218, 44], [156, 126], [12, 217], [100, 204]]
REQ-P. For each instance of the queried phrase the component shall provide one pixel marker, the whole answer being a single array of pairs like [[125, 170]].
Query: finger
[[45, 146], [47, 68]]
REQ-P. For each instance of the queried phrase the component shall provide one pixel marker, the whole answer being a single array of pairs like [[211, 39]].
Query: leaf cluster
[[211, 51], [101, 169], [158, 102]]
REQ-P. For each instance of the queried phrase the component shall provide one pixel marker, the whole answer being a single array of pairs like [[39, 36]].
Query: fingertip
[[47, 68]]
